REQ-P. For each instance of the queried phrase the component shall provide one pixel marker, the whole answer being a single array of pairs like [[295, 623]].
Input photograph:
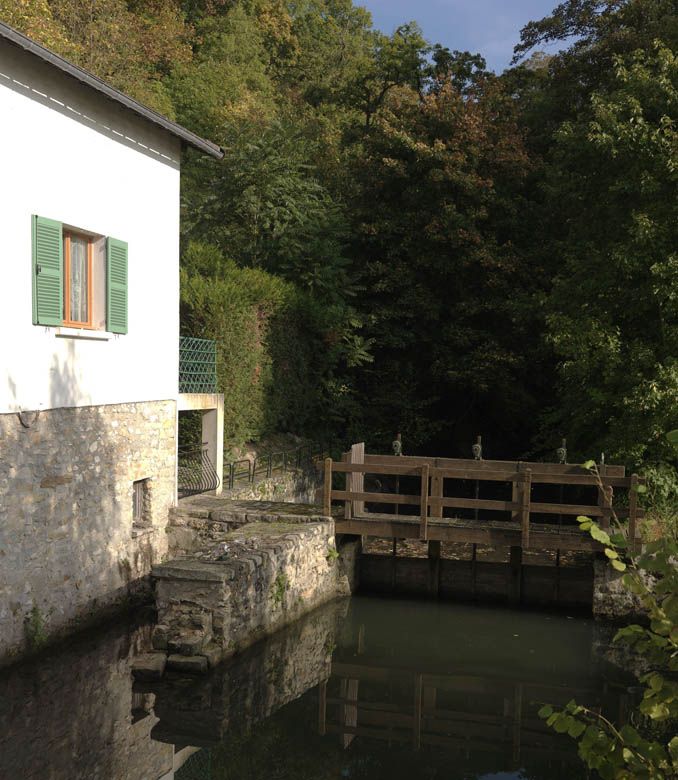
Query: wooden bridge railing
[[431, 500]]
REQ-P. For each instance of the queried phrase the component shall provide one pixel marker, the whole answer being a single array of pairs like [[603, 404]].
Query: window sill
[[83, 333]]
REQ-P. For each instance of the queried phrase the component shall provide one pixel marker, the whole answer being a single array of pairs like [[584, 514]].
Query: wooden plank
[[474, 503], [482, 475], [366, 468], [567, 509], [525, 497], [578, 479], [403, 468], [378, 498], [508, 535], [423, 505], [357, 480], [327, 488], [488, 465]]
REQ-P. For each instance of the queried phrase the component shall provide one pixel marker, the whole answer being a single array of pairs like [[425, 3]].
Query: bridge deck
[[494, 533]]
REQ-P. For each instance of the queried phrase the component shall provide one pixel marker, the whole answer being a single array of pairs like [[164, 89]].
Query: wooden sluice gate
[[526, 524], [523, 513]]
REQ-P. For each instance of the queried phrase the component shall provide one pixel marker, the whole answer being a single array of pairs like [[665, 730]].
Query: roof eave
[[92, 81]]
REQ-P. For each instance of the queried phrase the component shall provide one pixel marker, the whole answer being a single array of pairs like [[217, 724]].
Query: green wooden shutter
[[116, 287], [48, 272]]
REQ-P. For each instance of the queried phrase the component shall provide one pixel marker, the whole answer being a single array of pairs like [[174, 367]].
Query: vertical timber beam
[[327, 488], [356, 480], [347, 457], [605, 499], [423, 527], [525, 509]]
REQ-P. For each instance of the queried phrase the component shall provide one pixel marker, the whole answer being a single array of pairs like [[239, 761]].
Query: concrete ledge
[[195, 401]]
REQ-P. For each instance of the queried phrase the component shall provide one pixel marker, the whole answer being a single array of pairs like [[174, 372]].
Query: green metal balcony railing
[[197, 365]]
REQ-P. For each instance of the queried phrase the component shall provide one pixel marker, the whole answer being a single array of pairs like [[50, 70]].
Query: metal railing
[[197, 365], [265, 466], [195, 472]]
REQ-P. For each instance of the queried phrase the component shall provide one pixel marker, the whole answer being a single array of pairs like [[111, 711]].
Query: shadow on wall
[[67, 542]]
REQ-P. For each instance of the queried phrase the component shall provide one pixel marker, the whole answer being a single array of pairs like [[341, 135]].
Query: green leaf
[[589, 464], [672, 437], [641, 488], [546, 711], [583, 519], [612, 554], [618, 565], [599, 535]]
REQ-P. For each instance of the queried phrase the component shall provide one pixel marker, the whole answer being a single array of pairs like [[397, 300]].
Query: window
[[141, 510], [79, 278]]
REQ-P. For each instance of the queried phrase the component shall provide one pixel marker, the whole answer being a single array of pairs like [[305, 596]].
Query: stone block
[[160, 637], [188, 643], [191, 664], [149, 666]]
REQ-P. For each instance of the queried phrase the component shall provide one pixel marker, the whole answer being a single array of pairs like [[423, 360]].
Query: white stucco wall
[[70, 154]]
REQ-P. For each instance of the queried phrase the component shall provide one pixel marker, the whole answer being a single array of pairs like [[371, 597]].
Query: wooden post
[[346, 458], [356, 480], [605, 499], [516, 486], [327, 488], [633, 512], [525, 509], [436, 492], [423, 528]]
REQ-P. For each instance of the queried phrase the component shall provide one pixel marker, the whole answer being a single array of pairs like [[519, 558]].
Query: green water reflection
[[431, 690], [366, 688]]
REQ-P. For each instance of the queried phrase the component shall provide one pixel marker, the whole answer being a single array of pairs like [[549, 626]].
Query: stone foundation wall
[[249, 585], [68, 544]]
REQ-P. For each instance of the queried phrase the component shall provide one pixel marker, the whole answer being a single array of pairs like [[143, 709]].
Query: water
[[367, 688]]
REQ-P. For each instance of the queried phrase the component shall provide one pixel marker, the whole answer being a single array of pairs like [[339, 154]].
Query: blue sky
[[491, 27]]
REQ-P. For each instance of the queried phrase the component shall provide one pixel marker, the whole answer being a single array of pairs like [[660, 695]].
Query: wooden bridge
[[514, 520]]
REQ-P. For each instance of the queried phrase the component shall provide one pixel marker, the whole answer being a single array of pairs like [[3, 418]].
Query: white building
[[89, 333]]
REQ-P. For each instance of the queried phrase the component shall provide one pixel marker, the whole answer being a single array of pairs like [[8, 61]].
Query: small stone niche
[[141, 503]]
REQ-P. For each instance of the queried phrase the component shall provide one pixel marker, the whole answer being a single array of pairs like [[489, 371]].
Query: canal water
[[362, 688]]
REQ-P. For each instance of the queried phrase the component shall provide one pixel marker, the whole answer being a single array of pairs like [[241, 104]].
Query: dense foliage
[[647, 745], [397, 239]]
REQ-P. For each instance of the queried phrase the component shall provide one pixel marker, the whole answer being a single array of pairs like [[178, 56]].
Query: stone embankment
[[243, 570]]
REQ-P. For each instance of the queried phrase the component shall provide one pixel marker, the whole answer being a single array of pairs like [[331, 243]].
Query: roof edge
[[99, 85]]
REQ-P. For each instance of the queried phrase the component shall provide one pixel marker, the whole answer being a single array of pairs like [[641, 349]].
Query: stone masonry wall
[[68, 545], [257, 580]]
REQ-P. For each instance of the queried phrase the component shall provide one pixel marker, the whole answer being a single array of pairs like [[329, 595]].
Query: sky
[[491, 27]]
